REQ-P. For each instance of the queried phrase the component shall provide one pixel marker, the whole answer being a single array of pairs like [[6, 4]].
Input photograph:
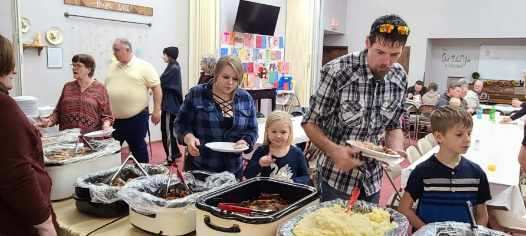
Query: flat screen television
[[256, 18]]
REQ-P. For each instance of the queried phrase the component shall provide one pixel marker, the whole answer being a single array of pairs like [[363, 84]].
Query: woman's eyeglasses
[[76, 65]]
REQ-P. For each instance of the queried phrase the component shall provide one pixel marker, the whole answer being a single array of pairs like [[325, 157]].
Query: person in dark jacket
[[171, 102], [25, 186]]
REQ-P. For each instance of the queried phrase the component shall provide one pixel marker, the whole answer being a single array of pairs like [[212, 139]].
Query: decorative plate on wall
[[25, 24], [54, 36]]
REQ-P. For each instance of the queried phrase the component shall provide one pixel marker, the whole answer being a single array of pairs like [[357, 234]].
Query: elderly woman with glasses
[[84, 102], [208, 64], [218, 111]]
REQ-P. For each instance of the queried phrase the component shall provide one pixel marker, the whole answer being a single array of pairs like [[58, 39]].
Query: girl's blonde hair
[[277, 116]]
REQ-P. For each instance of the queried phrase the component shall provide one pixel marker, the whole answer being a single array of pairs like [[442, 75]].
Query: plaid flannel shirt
[[201, 116], [350, 104]]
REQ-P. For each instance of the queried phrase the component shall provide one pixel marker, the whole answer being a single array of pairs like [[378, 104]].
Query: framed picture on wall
[[54, 57]]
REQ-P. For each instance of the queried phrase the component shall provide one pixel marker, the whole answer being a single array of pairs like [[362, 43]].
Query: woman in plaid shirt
[[359, 97], [218, 111]]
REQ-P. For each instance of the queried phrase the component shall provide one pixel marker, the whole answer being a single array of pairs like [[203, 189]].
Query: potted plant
[[475, 75]]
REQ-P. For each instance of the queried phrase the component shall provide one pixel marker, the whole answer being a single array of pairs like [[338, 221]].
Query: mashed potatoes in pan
[[334, 221]]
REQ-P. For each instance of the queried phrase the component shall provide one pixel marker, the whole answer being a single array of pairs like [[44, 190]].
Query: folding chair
[[392, 172], [424, 145], [431, 139], [412, 154]]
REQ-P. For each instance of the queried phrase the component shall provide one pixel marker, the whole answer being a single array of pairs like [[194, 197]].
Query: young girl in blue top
[[277, 157]]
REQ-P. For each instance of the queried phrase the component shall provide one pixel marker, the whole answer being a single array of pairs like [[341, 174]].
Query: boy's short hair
[[445, 118]]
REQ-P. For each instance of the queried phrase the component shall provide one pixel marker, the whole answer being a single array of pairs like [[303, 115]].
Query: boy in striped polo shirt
[[444, 182]]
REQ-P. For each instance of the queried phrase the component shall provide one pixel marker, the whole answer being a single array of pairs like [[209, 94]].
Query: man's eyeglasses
[[388, 28]]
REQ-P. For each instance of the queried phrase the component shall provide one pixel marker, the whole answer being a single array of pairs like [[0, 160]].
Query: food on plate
[[374, 147], [336, 221], [66, 153], [240, 146]]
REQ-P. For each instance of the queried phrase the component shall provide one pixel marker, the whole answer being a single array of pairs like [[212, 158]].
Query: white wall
[[6, 17], [435, 19], [438, 68], [337, 10], [228, 12], [95, 37]]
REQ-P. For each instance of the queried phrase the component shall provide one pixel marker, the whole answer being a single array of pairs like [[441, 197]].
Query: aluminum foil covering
[[102, 148], [101, 192], [450, 228], [145, 194], [401, 221]]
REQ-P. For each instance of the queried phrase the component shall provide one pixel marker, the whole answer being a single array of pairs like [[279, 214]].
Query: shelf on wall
[[332, 32], [35, 46]]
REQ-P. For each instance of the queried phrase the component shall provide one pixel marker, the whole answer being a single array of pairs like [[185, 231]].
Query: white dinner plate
[[225, 147], [99, 133], [381, 156]]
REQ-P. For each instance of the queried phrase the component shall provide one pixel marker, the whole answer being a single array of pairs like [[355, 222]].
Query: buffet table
[[494, 146]]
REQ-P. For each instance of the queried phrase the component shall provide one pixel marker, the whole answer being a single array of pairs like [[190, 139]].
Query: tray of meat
[[253, 207]]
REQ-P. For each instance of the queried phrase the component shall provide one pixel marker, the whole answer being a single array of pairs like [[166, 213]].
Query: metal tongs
[[353, 198], [85, 141], [135, 162], [472, 221], [179, 175]]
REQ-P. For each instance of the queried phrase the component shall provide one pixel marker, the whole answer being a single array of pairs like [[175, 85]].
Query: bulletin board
[[96, 39], [257, 53]]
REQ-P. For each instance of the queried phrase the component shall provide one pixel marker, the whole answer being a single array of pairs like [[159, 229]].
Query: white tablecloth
[[299, 133], [505, 108], [498, 144]]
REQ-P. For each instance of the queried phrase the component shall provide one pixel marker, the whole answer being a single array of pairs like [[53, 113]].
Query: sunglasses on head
[[388, 28]]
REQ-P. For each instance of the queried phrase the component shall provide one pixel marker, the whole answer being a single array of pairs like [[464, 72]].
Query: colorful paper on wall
[[261, 55], [243, 54], [281, 42], [235, 52], [274, 42], [255, 53], [227, 38], [223, 52], [276, 55], [238, 40], [283, 67], [259, 41], [249, 40], [267, 55], [250, 67]]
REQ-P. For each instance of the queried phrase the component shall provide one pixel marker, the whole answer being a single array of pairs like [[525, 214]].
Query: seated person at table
[[454, 90], [464, 85], [431, 96], [417, 89], [516, 114], [444, 182], [472, 96], [84, 102], [218, 111], [278, 157]]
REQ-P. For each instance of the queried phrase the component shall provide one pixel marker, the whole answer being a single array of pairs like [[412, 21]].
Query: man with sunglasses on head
[[360, 97]]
